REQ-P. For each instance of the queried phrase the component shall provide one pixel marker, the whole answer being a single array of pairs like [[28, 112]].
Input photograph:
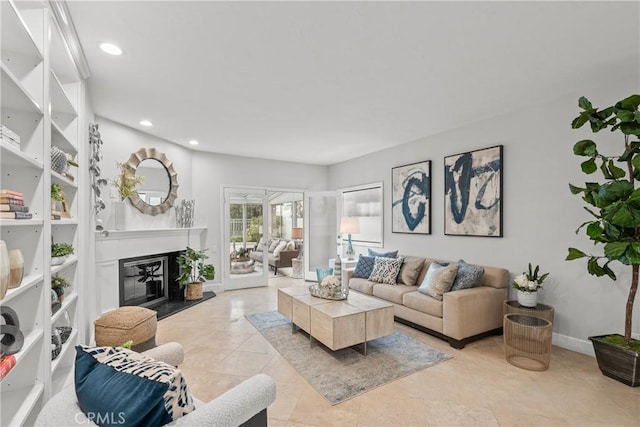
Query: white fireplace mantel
[[114, 245]]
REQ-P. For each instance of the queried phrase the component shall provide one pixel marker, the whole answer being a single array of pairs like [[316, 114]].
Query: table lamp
[[349, 225]]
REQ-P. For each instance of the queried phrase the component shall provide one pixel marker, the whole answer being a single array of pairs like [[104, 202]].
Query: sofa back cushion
[[439, 279], [136, 389], [273, 244]]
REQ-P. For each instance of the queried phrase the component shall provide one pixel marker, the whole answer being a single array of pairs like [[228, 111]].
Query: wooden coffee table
[[336, 324]]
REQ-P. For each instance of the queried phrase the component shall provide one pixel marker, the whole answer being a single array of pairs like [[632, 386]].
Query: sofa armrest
[[469, 312], [236, 406], [286, 257], [170, 353]]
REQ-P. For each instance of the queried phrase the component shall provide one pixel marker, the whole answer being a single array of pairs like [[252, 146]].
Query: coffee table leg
[[294, 328], [361, 348]]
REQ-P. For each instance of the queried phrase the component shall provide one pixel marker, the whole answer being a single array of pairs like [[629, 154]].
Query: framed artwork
[[473, 193], [411, 198]]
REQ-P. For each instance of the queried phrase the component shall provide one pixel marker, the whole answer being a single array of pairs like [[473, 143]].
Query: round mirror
[[159, 188], [156, 183]]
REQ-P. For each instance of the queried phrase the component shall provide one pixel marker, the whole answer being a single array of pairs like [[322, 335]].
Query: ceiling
[[323, 82]]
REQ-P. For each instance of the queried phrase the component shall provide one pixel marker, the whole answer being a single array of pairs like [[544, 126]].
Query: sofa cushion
[[467, 277], [361, 285], [439, 279], [279, 248], [423, 303], [385, 270], [273, 244], [388, 254], [364, 266], [136, 389], [411, 268], [392, 293]]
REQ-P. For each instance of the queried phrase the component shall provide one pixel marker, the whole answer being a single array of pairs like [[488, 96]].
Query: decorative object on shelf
[[349, 225], [16, 265], [411, 198], [58, 160], [528, 284], [58, 283], [59, 207], [56, 343], [473, 193], [95, 142], [60, 252], [12, 337], [194, 271], [125, 182], [63, 325], [184, 214], [156, 202], [7, 362], [55, 304], [5, 267], [615, 206]]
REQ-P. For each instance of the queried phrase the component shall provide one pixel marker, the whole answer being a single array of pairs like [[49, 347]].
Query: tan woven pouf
[[137, 324]]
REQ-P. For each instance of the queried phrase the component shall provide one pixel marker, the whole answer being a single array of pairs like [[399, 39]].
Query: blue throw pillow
[[468, 276], [116, 386], [364, 267], [392, 254]]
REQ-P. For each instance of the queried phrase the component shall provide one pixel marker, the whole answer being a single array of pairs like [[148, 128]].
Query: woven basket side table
[[527, 342]]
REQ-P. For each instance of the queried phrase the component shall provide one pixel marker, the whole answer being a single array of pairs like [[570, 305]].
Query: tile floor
[[477, 387]]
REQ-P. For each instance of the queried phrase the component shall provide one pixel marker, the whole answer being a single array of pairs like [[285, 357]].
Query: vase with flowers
[[528, 284]]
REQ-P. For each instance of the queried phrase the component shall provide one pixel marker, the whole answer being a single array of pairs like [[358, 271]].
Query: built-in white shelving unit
[[41, 100]]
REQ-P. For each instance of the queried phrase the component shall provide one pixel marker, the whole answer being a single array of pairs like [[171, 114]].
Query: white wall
[[119, 142], [540, 214]]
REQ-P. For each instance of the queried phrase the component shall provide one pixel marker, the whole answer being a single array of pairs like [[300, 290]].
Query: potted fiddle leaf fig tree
[[614, 206], [194, 271]]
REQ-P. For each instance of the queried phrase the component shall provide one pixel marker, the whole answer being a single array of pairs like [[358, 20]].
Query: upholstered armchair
[[244, 405]]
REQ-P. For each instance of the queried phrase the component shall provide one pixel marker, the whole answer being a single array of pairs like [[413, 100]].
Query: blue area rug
[[343, 374]]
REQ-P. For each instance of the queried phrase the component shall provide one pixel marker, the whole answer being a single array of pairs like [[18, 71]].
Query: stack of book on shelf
[[12, 205], [9, 136]]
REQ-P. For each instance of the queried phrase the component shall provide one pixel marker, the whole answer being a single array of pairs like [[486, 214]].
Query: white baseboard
[[573, 344]]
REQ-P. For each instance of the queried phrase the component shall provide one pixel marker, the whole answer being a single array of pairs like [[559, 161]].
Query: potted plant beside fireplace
[[194, 271]]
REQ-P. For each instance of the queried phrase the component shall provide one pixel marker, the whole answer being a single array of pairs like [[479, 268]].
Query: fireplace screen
[[143, 281]]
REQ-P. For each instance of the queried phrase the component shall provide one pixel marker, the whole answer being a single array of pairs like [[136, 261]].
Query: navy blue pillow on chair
[[116, 387], [364, 266], [392, 254]]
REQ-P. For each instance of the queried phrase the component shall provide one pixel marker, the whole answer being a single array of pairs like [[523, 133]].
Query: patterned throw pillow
[[273, 245], [364, 266], [439, 279], [281, 247], [468, 276], [135, 389], [386, 270], [392, 254]]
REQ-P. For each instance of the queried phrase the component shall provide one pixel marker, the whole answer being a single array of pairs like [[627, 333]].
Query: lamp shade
[[349, 225], [297, 233]]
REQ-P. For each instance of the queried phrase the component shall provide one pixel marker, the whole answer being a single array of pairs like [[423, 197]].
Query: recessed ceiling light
[[110, 48], [194, 142], [146, 123]]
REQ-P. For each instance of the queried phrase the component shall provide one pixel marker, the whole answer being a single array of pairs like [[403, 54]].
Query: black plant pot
[[616, 362]]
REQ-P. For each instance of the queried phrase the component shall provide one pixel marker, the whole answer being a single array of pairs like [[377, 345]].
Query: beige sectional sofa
[[462, 316], [280, 252]]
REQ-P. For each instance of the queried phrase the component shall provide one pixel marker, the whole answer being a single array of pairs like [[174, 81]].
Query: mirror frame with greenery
[[132, 165]]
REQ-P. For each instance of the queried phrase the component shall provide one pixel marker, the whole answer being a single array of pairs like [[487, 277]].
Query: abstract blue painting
[[411, 198], [473, 193]]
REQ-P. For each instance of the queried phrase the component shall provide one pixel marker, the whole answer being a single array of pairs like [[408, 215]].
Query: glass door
[[246, 217], [320, 234]]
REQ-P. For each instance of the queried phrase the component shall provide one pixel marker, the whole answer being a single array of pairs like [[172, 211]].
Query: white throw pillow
[[291, 245], [385, 270], [281, 246], [439, 279]]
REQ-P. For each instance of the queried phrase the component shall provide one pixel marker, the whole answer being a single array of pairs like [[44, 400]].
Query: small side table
[[527, 342], [298, 268], [542, 311]]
